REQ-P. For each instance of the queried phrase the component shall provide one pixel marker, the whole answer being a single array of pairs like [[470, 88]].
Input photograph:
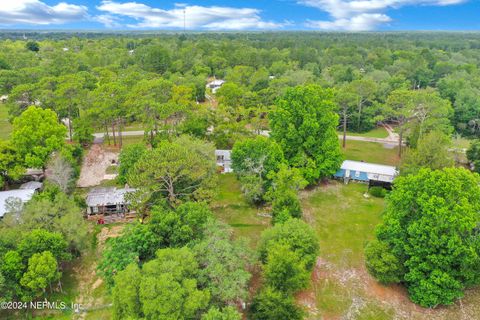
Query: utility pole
[[184, 20]]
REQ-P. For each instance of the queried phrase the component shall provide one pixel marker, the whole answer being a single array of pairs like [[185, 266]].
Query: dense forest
[[285, 101]]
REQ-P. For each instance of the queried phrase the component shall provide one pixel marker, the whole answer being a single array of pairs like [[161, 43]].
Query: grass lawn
[[370, 152], [5, 126], [231, 207], [126, 141], [378, 132], [344, 220]]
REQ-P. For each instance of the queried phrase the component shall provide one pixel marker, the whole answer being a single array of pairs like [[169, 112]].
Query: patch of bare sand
[[95, 166], [363, 288]]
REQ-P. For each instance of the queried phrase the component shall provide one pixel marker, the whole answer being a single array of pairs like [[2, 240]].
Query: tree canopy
[[429, 238], [304, 125]]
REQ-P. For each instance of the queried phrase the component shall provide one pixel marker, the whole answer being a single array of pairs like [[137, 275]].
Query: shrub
[[378, 192]]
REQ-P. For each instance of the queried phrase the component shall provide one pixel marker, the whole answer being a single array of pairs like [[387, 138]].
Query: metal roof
[[23, 194], [31, 185], [369, 167], [107, 196]]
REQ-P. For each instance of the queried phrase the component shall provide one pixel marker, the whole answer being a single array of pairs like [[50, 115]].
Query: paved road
[[266, 133]]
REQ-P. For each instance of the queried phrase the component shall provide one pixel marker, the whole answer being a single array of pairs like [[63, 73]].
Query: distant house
[[24, 194], [215, 85], [224, 160], [108, 201], [374, 174]]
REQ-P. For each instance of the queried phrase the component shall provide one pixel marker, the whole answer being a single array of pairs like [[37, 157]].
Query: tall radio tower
[[184, 20]]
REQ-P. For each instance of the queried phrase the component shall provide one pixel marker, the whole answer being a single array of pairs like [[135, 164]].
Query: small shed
[[224, 160], [108, 201], [366, 172], [24, 195]]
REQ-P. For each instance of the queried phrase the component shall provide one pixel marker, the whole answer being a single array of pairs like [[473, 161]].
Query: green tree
[[165, 289], [150, 98], [473, 155], [284, 193], [304, 125], [153, 58], [11, 167], [254, 160], [64, 216], [223, 265], [176, 171], [432, 152], [382, 264], [270, 304], [40, 240], [125, 294], [137, 243], [227, 313], [430, 227], [284, 270], [82, 131], [32, 46], [42, 271], [129, 156], [179, 227], [295, 233], [36, 134]]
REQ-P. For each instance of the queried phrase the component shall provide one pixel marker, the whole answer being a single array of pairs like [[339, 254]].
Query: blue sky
[[326, 15]]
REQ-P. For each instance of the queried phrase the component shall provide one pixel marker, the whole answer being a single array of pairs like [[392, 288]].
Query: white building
[[24, 194], [215, 85], [224, 160]]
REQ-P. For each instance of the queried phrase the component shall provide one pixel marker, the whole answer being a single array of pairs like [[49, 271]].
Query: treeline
[[73, 77]]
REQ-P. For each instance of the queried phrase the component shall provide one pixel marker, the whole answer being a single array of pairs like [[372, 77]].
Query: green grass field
[[370, 152], [5, 126], [230, 207], [378, 132], [344, 220]]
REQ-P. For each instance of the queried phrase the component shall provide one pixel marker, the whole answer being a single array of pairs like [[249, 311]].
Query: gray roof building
[[108, 200]]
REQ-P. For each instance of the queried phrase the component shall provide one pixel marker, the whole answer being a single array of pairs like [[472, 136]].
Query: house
[[224, 160], [7, 197], [373, 174], [108, 201], [215, 85]]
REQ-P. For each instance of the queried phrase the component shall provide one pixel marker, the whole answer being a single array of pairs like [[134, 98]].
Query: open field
[[341, 287], [231, 207], [378, 132], [5, 126], [371, 152]]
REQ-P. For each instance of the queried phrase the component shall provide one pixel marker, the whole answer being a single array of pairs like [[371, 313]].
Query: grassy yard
[[370, 152], [344, 220], [231, 207], [5, 126], [378, 132]]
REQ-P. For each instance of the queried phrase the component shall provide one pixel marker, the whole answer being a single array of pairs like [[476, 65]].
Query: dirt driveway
[[95, 166]]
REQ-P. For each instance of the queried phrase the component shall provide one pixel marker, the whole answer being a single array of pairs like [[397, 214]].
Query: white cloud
[[361, 22], [363, 15], [196, 17], [37, 12]]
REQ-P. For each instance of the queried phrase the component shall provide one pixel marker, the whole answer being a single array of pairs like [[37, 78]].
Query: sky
[[231, 15]]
